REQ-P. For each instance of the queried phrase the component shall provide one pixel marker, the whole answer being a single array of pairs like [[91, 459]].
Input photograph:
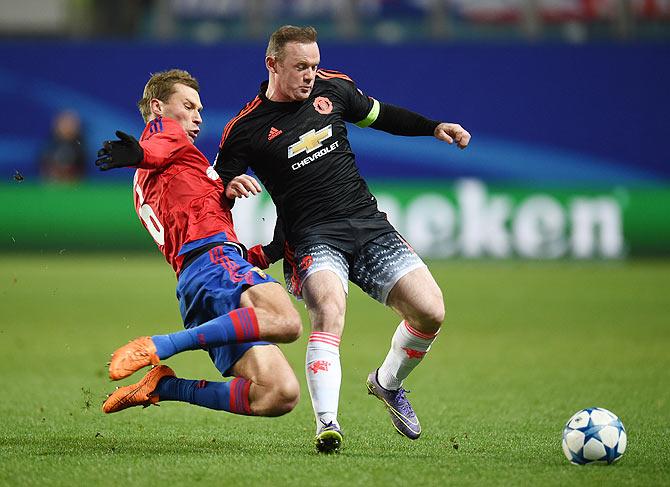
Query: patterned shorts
[[375, 267]]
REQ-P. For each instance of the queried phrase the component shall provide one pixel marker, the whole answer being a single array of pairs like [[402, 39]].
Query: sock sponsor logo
[[318, 365], [201, 384], [201, 340], [411, 353]]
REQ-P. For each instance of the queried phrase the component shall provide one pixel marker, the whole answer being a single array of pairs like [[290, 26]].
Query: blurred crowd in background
[[386, 22], [63, 157], [383, 20]]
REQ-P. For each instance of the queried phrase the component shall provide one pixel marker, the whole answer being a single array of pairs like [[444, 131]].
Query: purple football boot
[[329, 438], [402, 415]]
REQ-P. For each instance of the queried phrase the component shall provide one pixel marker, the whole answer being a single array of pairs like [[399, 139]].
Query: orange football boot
[[140, 394], [131, 357]]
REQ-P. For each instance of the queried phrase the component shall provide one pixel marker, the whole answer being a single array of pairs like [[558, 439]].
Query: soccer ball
[[594, 435]]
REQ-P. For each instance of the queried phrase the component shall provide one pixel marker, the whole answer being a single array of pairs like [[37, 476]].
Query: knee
[[291, 324], [329, 317], [285, 321], [430, 318], [436, 316], [438, 311], [284, 397]]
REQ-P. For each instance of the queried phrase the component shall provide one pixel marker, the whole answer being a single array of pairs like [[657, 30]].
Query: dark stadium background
[[565, 103], [550, 235]]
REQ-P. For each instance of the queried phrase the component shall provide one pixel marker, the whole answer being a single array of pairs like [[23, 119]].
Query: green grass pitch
[[525, 346]]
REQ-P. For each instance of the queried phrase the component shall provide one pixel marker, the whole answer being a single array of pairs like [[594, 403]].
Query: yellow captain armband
[[372, 115]]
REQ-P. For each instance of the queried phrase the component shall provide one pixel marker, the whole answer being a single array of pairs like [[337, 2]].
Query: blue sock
[[230, 396], [238, 326]]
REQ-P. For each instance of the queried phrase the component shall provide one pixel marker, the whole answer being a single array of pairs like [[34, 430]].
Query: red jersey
[[177, 193]]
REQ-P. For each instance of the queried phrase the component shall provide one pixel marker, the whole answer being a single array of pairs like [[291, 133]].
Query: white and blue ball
[[594, 435]]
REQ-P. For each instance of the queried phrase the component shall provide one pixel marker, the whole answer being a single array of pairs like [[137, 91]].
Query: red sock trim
[[232, 404], [245, 397], [237, 325], [417, 333], [324, 337], [239, 396], [245, 324]]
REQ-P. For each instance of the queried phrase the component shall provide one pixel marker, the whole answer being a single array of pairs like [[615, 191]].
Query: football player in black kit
[[329, 229]]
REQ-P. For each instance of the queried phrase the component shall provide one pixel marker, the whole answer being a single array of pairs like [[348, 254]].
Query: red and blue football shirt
[[178, 194]]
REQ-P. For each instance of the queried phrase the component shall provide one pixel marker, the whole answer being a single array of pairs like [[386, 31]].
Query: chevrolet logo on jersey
[[310, 141]]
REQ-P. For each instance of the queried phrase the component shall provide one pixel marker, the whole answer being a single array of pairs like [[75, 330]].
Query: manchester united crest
[[323, 105]]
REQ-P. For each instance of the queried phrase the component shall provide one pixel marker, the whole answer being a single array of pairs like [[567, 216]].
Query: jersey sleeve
[[232, 158], [365, 111], [163, 144], [275, 249], [358, 106]]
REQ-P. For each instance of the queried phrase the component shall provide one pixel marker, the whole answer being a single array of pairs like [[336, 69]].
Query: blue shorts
[[211, 286]]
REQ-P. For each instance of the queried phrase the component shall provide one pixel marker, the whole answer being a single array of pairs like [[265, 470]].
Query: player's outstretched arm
[[242, 186], [452, 132], [124, 152], [400, 121]]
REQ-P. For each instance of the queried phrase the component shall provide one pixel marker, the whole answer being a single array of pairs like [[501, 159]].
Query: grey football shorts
[[375, 267]]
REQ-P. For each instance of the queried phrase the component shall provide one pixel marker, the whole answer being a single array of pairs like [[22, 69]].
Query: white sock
[[324, 374], [408, 347]]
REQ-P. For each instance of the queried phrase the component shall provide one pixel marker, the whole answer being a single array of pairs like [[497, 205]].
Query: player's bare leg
[[278, 320], [265, 313], [418, 299], [264, 385], [325, 300], [274, 387]]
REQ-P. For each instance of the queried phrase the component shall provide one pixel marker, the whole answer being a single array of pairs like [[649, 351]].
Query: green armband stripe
[[372, 116]]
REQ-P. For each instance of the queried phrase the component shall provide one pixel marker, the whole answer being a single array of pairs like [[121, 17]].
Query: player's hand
[[119, 153], [242, 186], [452, 132], [256, 257]]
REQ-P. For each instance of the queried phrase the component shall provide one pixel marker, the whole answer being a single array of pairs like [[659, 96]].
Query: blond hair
[[161, 87], [286, 34]]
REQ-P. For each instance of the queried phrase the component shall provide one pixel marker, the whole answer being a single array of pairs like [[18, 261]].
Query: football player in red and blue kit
[[229, 307]]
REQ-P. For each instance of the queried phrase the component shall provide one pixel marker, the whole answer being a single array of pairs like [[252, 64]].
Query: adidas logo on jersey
[[274, 133]]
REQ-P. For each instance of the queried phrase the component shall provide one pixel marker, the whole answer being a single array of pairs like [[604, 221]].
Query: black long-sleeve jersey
[[301, 154]]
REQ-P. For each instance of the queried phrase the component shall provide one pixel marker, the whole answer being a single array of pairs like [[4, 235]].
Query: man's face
[[296, 72], [184, 106]]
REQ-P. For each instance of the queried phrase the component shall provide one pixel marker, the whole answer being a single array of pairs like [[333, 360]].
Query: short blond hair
[[161, 87], [286, 34]]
